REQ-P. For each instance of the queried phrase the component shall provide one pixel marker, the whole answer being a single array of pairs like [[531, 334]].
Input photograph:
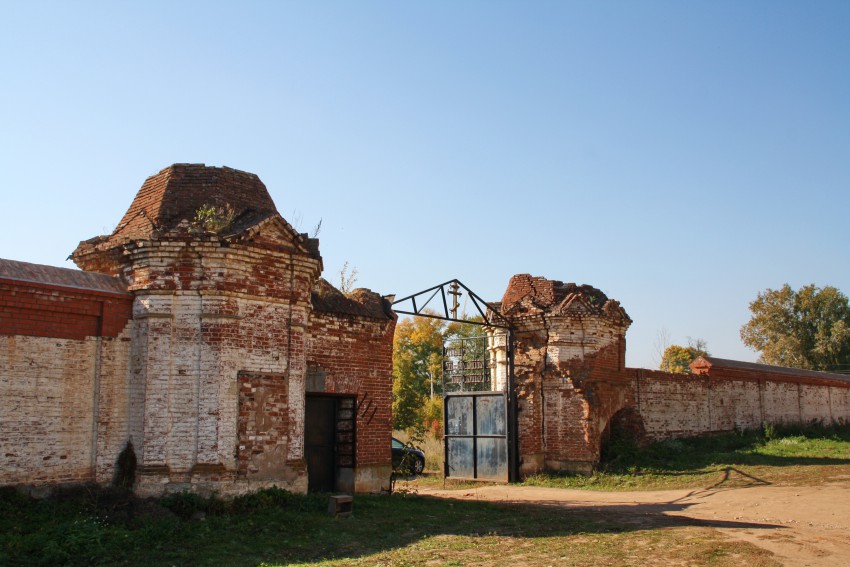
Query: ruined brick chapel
[[214, 349], [199, 344]]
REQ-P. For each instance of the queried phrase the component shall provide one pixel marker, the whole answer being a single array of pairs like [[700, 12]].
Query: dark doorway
[[623, 437], [329, 443]]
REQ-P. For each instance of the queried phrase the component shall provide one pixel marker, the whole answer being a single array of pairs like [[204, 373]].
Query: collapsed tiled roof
[[65, 277], [360, 302]]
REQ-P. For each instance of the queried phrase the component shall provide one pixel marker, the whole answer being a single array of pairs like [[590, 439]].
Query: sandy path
[[802, 525]]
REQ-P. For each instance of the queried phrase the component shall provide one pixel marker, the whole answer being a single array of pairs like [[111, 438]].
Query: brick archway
[[625, 430]]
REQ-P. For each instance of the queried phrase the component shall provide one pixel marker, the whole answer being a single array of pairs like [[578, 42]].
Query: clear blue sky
[[680, 156]]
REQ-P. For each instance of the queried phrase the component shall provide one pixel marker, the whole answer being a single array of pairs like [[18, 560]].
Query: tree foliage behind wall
[[417, 363], [417, 356], [807, 328], [679, 358]]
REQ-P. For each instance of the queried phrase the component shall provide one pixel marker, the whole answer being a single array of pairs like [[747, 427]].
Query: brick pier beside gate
[[574, 390]]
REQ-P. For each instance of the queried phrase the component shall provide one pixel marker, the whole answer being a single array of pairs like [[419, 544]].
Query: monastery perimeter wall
[[64, 375], [203, 346], [721, 400]]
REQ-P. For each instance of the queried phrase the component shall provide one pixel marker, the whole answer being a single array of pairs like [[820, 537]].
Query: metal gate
[[479, 405], [475, 408]]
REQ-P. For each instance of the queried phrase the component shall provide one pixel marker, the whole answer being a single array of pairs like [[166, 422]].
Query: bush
[[186, 504]]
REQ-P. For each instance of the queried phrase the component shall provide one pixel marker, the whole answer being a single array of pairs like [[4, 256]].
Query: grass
[[790, 455], [92, 526], [270, 528]]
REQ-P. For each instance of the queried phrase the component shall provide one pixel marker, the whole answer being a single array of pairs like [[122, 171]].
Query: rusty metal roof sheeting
[[714, 362], [64, 277]]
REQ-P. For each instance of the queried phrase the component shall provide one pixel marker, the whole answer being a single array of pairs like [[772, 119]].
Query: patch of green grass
[[795, 454], [92, 527]]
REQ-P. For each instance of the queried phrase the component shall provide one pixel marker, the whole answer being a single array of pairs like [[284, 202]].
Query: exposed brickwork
[[178, 191], [53, 392], [208, 379], [350, 352], [119, 402], [211, 307], [45, 310], [569, 361], [263, 425], [573, 388], [200, 349], [720, 399], [64, 353]]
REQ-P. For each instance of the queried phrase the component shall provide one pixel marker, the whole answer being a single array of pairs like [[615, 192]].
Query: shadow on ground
[[60, 532]]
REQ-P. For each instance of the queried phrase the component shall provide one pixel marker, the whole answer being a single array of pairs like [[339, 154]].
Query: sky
[[679, 156]]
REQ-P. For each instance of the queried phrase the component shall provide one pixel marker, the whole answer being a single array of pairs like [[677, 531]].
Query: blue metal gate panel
[[476, 436]]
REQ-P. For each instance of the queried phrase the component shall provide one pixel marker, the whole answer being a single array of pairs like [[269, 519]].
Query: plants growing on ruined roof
[[347, 278], [210, 218]]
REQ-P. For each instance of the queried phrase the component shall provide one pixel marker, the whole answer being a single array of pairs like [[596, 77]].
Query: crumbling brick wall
[[569, 345], [208, 379], [571, 383], [350, 353], [263, 428], [203, 313]]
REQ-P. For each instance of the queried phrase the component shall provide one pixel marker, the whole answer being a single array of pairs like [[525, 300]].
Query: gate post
[[513, 437]]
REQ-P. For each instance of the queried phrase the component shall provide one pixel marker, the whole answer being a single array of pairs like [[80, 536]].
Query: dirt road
[[803, 525]]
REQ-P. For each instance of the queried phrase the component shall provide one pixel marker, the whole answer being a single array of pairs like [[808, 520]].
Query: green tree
[[417, 368], [808, 328], [678, 358], [417, 356]]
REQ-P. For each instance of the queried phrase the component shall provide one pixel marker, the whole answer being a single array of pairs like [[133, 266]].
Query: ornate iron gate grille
[[475, 409]]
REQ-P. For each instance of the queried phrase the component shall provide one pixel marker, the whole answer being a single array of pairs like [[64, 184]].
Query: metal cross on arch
[[419, 302], [480, 439]]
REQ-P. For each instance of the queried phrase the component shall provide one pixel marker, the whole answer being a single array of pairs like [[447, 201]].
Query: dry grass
[[432, 446]]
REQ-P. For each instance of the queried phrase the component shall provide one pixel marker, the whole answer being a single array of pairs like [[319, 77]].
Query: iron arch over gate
[[479, 403]]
